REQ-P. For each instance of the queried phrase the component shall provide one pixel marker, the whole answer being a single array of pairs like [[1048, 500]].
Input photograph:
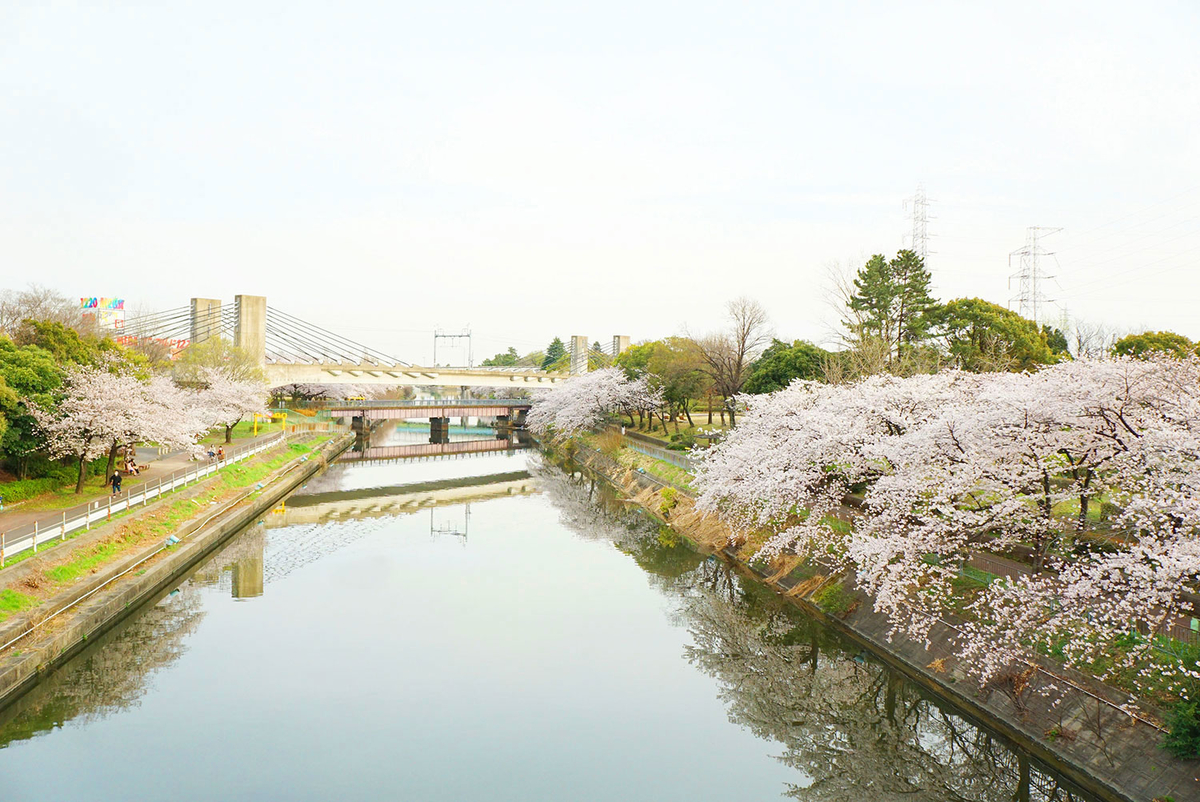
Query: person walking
[[115, 481], [221, 454]]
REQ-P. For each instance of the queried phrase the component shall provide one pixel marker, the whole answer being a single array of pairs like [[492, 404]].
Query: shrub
[[835, 599], [684, 441], [1183, 730], [668, 501]]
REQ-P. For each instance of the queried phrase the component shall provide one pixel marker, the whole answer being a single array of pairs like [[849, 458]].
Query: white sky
[[533, 170]]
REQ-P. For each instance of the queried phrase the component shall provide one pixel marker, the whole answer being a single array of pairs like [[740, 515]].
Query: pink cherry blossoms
[[1087, 471], [584, 402], [104, 407]]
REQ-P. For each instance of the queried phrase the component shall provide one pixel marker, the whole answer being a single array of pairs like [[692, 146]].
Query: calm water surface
[[485, 628]]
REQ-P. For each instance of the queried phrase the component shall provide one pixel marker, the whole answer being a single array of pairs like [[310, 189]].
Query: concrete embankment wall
[[1097, 747], [90, 609]]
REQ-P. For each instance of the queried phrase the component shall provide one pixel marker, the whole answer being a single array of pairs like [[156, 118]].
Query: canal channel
[[489, 626]]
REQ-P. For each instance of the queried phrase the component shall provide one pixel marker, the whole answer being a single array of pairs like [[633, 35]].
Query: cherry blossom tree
[[229, 400], [584, 402], [900, 481], [98, 408]]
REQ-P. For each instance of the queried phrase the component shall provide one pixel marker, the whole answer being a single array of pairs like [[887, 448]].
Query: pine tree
[[891, 302], [555, 352]]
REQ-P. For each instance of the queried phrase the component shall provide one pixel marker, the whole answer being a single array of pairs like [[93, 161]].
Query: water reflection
[[109, 675], [854, 729], [840, 725]]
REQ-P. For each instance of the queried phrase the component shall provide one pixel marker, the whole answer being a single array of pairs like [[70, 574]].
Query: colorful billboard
[[106, 313]]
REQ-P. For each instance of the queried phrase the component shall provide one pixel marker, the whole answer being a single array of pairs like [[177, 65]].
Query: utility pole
[[918, 209], [1030, 299], [465, 334]]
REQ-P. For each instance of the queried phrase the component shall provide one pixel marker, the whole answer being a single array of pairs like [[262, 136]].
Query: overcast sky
[[538, 170]]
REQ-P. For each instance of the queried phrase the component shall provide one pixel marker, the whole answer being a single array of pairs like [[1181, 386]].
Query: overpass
[[294, 351]]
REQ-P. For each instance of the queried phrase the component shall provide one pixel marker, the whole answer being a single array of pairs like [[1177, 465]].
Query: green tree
[[981, 336], [680, 368], [67, 345], [675, 366], [556, 356], [1155, 342], [635, 360], [782, 363], [890, 304], [1057, 341], [216, 353], [30, 375], [507, 359]]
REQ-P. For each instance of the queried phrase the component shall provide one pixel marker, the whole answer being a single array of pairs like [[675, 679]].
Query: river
[[483, 627]]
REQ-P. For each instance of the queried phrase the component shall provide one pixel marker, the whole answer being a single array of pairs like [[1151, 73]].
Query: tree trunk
[[1084, 500], [82, 474], [229, 434], [112, 459], [710, 412], [1043, 543], [688, 413]]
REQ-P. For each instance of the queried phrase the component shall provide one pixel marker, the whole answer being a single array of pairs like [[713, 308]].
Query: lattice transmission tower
[[918, 209], [1032, 302]]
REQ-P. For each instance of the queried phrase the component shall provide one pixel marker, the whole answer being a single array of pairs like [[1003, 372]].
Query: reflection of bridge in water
[[382, 502], [368, 453]]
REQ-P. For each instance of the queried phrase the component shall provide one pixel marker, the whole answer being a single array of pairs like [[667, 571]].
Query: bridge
[[294, 351]]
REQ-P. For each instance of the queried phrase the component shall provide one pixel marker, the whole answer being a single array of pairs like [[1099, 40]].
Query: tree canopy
[[1155, 342], [556, 355], [980, 336], [891, 302], [506, 359], [782, 363]]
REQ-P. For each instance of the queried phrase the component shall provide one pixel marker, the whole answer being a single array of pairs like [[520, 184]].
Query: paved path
[[153, 465]]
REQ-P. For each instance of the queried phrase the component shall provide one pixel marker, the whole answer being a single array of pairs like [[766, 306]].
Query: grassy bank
[[141, 528]]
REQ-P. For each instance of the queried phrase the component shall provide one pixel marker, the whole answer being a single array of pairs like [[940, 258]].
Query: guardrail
[[82, 516]]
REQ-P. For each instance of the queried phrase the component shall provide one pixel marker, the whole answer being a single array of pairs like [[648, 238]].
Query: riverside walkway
[[23, 526]]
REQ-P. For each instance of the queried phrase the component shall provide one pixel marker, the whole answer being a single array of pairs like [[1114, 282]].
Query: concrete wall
[[23, 666], [620, 344]]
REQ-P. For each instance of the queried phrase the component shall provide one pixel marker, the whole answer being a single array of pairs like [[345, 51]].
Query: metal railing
[[82, 516], [676, 458], [405, 404]]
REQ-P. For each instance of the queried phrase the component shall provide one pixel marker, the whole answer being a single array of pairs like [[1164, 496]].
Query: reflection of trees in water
[[854, 729], [110, 674]]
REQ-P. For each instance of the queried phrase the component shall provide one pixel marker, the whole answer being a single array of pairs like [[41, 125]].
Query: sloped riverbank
[[1084, 736]]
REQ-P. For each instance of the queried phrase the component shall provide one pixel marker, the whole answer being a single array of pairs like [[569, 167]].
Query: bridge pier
[[579, 354], [206, 319], [439, 430], [250, 332]]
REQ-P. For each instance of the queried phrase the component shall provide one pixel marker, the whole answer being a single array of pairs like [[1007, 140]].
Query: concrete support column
[[439, 430], [250, 334], [620, 343], [206, 319], [579, 354]]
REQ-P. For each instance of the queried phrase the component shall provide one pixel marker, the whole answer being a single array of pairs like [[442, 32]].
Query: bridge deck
[[401, 410]]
